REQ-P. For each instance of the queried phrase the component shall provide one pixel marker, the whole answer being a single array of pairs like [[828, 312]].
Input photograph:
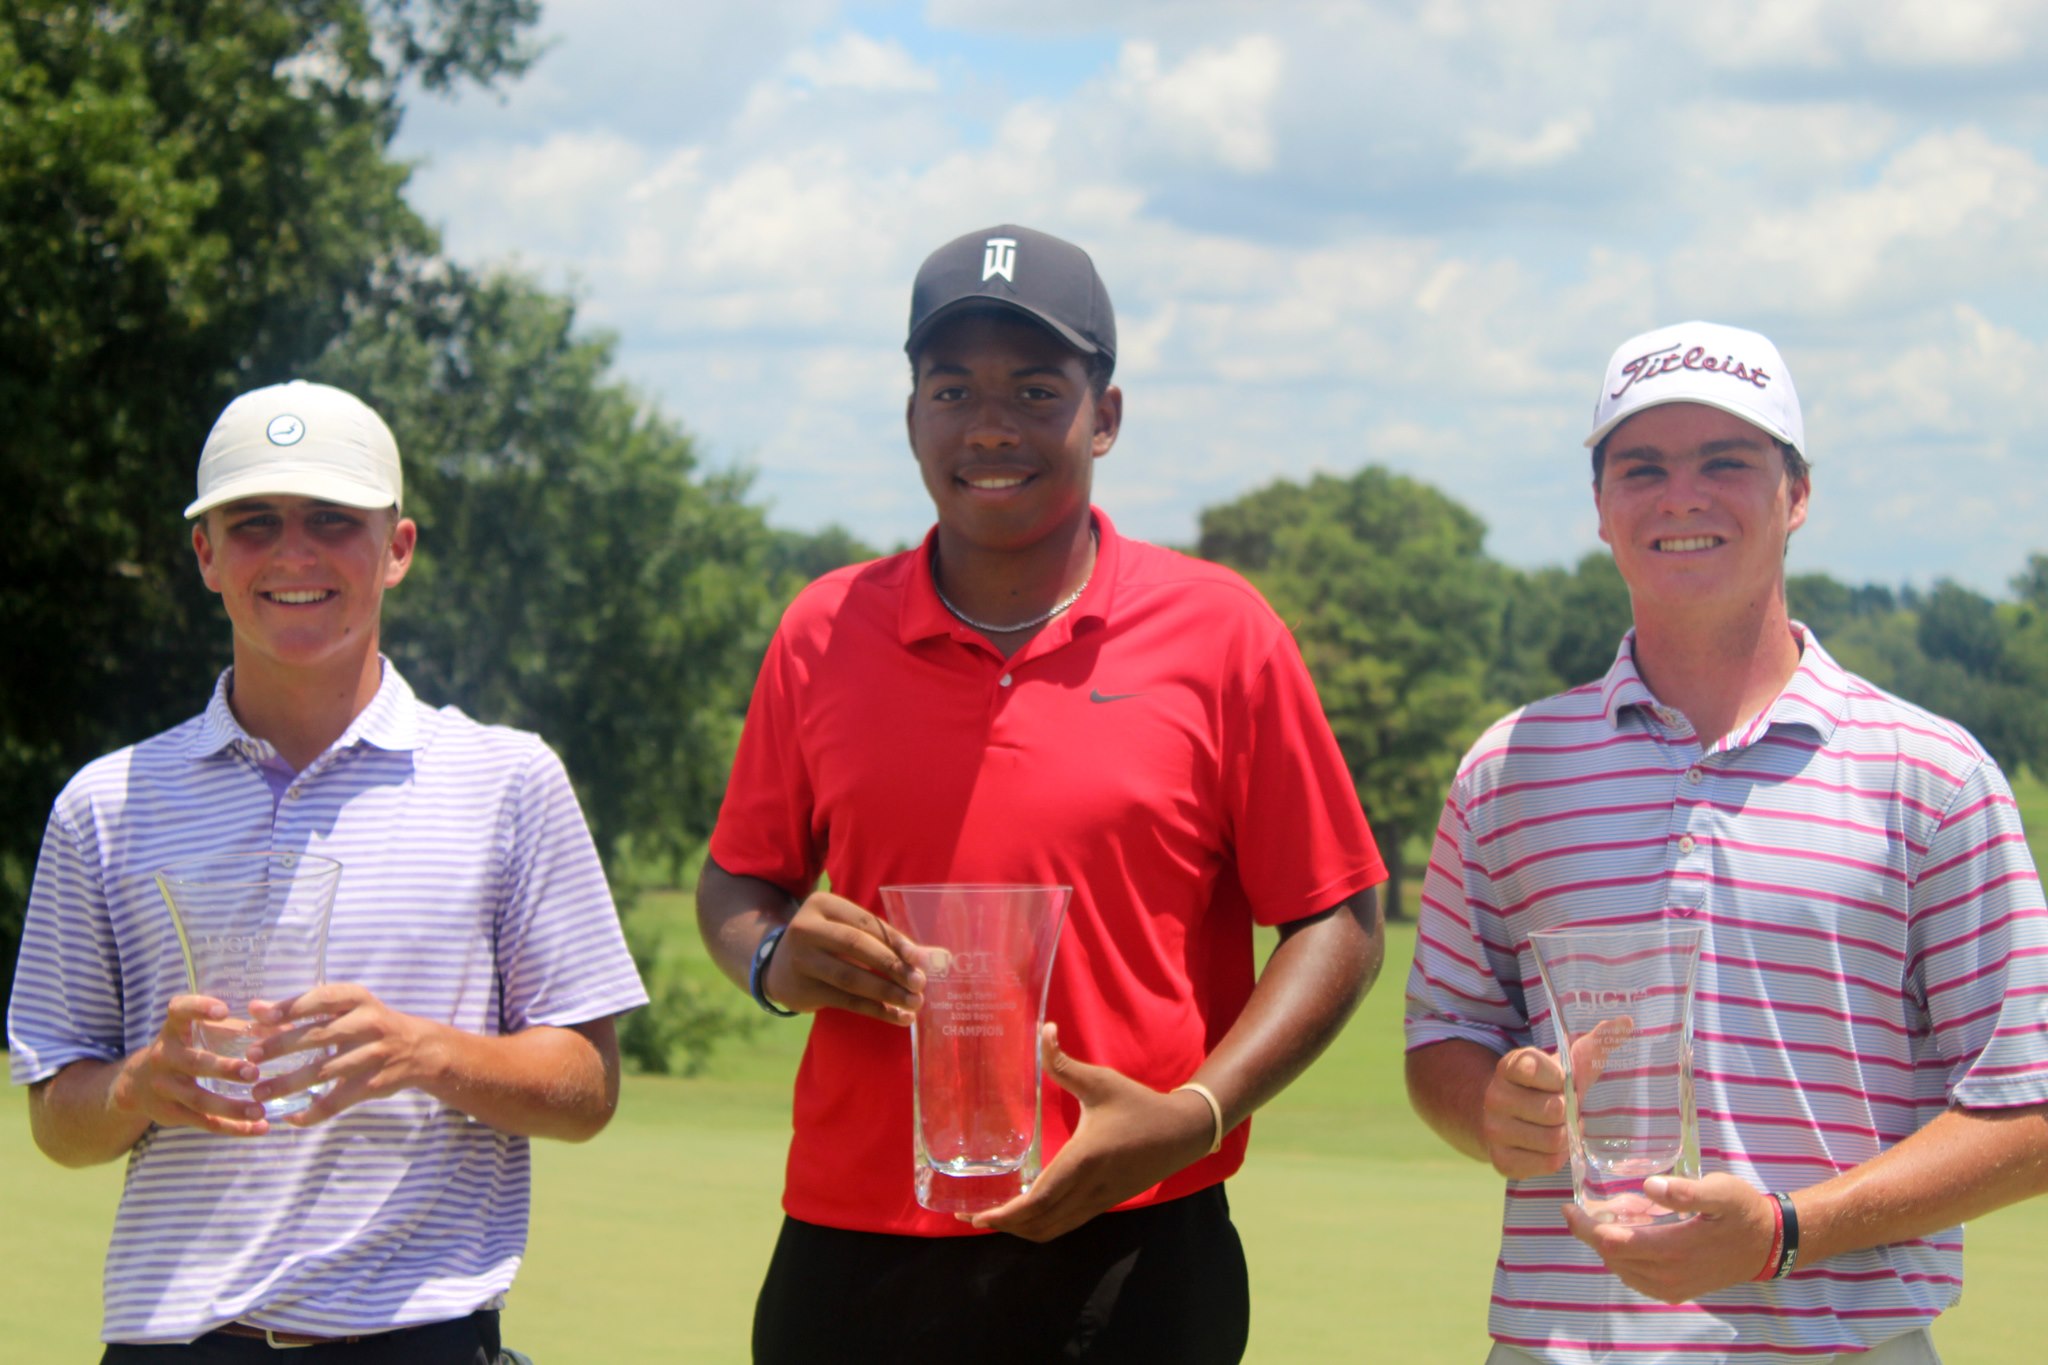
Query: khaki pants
[[1914, 1348]]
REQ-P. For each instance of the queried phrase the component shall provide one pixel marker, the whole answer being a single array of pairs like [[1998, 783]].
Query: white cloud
[[1445, 19], [677, 173], [1940, 206], [1487, 150], [1363, 233], [1967, 33], [858, 62], [1214, 106], [1968, 378], [773, 220], [1762, 153], [546, 199], [1897, 34]]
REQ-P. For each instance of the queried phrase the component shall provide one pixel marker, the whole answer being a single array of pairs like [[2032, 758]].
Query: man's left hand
[[1130, 1138], [378, 1050], [1724, 1243]]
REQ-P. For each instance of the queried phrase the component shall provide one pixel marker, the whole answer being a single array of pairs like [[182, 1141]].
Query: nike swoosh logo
[[1112, 696]]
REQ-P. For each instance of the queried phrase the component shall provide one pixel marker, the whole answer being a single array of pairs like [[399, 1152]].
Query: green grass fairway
[[1367, 1238], [2032, 795]]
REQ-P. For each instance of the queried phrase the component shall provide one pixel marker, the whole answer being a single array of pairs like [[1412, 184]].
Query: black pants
[[465, 1341], [1165, 1283]]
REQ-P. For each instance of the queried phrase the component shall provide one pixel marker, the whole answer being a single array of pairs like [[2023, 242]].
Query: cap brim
[[980, 302], [1605, 429], [323, 484]]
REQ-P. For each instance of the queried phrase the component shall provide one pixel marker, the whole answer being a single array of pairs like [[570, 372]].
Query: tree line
[[197, 198], [1418, 639]]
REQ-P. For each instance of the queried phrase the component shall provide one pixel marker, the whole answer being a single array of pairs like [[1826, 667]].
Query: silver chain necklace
[[987, 629]]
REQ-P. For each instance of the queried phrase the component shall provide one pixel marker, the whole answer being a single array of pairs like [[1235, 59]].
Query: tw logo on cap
[[999, 257]]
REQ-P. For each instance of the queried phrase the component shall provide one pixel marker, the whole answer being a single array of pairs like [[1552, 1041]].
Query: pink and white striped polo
[[1876, 950]]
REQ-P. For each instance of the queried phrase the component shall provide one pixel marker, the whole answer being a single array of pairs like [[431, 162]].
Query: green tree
[[1978, 662], [193, 196], [576, 576], [1985, 661], [580, 576], [1831, 608], [2030, 584], [2026, 659], [1400, 616], [797, 557], [1962, 626], [1593, 613]]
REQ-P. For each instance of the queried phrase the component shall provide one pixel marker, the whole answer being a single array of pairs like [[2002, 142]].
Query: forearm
[[1965, 1164], [1130, 1137], [542, 1081], [1447, 1086], [733, 912], [1309, 989], [76, 1120]]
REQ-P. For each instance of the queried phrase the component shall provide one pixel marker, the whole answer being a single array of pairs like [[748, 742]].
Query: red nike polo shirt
[[1159, 747]]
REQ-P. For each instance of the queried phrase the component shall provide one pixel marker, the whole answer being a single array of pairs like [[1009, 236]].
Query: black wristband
[[755, 986], [1790, 1252]]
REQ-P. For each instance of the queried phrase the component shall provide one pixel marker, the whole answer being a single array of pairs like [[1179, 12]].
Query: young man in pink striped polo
[[474, 959], [1870, 1055]]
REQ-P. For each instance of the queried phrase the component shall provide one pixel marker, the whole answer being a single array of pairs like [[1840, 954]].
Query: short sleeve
[[66, 1005], [765, 823], [562, 957], [1300, 839], [1452, 989], [1978, 948]]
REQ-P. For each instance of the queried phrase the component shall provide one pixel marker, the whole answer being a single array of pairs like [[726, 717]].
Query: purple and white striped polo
[[470, 894], [1876, 949]]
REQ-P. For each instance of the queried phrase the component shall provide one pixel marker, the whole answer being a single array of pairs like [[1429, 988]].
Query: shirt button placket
[[1688, 872], [293, 794]]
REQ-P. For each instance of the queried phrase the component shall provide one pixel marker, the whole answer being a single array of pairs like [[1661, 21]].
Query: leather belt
[[290, 1339]]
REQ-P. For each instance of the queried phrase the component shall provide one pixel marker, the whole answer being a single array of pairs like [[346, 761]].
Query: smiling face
[[1006, 430], [302, 580], [1697, 505]]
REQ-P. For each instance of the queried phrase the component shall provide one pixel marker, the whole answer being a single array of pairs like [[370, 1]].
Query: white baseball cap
[[1737, 371], [303, 439]]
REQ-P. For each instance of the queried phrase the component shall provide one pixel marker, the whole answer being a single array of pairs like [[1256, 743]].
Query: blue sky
[[1336, 234]]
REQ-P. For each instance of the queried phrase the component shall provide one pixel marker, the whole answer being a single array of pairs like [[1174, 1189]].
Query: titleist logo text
[[1665, 361]]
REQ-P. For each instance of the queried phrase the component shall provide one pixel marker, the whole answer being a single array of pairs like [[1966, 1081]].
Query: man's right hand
[[1522, 1114], [160, 1082], [835, 955]]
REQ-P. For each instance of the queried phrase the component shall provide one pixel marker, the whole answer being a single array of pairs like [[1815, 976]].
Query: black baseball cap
[[1047, 280]]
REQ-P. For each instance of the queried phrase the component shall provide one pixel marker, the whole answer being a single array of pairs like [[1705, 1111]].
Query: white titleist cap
[[301, 439], [1737, 371]]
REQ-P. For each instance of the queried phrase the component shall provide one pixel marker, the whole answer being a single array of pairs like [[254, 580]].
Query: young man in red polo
[[1029, 697]]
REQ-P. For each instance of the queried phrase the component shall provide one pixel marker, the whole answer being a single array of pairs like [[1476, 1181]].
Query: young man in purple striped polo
[[474, 960], [1870, 1055]]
